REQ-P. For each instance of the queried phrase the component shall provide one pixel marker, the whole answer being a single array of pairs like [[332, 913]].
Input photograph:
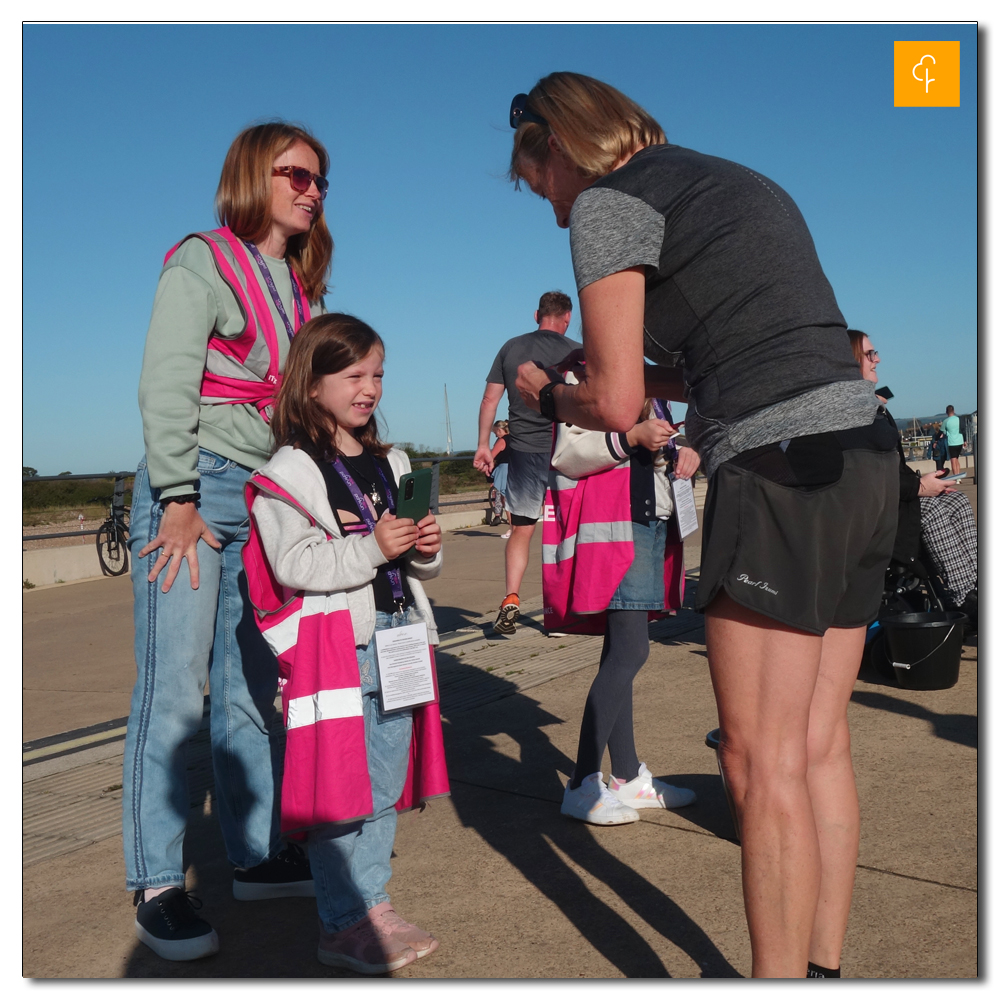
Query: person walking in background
[[700, 262], [529, 442], [939, 449], [952, 428], [324, 530], [498, 478], [227, 306]]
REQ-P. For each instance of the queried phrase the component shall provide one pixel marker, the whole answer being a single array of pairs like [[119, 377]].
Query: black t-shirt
[[362, 469]]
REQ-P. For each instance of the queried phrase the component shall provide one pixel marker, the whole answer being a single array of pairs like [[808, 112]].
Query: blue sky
[[125, 129]]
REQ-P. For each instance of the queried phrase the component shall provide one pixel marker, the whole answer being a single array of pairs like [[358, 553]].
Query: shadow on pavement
[[538, 841], [961, 729]]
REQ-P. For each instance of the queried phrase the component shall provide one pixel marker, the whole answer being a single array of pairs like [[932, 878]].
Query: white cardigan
[[303, 558]]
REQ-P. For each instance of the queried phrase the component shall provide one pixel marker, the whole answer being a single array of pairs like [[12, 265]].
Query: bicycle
[[112, 536]]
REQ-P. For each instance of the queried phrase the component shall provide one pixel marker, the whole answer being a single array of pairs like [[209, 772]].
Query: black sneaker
[[169, 925], [286, 874], [506, 623]]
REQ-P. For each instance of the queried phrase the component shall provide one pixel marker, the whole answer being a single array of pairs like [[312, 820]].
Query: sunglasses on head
[[301, 179], [519, 112]]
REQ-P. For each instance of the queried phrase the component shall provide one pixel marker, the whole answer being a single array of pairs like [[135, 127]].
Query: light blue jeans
[[350, 861], [182, 639]]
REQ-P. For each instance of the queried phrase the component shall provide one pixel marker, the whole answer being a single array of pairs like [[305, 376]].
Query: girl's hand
[[429, 543], [651, 434], [931, 485], [395, 535], [687, 463], [180, 529]]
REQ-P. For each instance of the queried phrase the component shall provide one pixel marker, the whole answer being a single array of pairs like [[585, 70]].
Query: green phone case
[[414, 500]]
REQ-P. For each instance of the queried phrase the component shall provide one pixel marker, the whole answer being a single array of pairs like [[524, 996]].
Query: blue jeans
[[350, 861], [182, 639], [641, 588]]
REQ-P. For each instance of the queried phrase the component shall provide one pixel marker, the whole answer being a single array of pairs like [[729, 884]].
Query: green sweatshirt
[[191, 301]]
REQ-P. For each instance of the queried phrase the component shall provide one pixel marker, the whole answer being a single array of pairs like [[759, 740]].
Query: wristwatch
[[547, 399]]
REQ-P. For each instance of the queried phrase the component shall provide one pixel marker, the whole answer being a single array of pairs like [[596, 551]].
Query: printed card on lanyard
[[402, 654]]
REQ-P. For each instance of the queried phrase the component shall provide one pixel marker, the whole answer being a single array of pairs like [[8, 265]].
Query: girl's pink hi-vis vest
[[326, 776], [587, 550], [243, 369]]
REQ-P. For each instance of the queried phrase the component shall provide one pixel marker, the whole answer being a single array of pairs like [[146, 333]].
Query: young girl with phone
[[329, 565], [612, 491]]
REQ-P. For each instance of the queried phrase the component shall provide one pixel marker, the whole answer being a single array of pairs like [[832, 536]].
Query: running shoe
[[387, 919], [593, 803], [286, 874], [364, 947], [510, 611], [647, 792], [169, 925]]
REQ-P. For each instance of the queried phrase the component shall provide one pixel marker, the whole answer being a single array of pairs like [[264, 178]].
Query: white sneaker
[[647, 792], [593, 803]]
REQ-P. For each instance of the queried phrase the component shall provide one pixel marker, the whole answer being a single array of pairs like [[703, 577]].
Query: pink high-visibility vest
[[326, 777], [587, 550], [243, 369]]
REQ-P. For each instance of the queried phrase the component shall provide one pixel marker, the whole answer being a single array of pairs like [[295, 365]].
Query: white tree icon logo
[[926, 79]]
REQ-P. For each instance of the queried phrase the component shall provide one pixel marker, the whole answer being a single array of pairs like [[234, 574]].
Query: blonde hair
[[595, 125], [243, 199]]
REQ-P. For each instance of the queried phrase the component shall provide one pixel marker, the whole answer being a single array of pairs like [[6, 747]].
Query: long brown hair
[[243, 199], [857, 338], [325, 345], [595, 125]]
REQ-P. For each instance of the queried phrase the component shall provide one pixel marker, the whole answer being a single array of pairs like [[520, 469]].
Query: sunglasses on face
[[301, 179], [872, 355], [519, 112]]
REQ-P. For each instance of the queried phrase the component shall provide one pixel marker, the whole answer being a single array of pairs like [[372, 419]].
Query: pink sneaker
[[387, 919], [364, 947]]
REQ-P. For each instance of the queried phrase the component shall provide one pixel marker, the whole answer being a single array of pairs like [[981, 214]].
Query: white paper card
[[405, 674], [687, 516]]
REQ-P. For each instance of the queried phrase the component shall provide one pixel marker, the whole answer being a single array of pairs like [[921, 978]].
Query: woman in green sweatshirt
[[227, 306]]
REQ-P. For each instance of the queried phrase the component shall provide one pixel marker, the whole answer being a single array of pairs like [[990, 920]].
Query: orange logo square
[[925, 75]]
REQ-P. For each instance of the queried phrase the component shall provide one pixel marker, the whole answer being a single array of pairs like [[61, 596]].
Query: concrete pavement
[[511, 888]]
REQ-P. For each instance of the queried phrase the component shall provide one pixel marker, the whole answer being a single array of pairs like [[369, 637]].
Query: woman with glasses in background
[[708, 269], [227, 305]]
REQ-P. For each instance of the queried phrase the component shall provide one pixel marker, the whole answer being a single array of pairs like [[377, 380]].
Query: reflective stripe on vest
[[242, 369]]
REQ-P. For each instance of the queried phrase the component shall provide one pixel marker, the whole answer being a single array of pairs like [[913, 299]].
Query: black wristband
[[547, 399], [180, 498]]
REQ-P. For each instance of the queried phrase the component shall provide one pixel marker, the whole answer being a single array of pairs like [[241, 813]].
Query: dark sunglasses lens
[[517, 109], [300, 179], [323, 185]]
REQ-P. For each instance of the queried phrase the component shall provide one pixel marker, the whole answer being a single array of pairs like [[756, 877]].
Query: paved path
[[510, 887]]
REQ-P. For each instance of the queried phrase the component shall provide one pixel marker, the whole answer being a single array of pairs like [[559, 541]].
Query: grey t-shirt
[[529, 431], [735, 294]]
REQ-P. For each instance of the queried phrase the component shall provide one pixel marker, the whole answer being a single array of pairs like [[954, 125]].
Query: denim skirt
[[641, 588]]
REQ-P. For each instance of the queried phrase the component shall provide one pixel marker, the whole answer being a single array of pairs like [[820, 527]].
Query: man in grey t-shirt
[[530, 438]]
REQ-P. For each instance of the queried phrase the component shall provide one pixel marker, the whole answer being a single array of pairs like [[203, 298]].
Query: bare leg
[[764, 675], [954, 466], [516, 555], [833, 792]]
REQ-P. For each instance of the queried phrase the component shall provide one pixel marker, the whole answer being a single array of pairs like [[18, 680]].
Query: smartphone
[[953, 478], [885, 392], [414, 499]]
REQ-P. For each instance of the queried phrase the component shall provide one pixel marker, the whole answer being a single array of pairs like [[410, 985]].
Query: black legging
[[607, 718]]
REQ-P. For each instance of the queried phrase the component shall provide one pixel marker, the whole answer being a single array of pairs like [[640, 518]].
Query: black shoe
[[286, 874], [169, 925]]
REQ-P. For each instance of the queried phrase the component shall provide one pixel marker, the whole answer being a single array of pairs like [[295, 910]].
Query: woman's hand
[[429, 542], [180, 529], [652, 434], [395, 535], [531, 377], [931, 485], [687, 463]]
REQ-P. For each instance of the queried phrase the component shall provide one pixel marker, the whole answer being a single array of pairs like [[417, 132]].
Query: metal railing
[[120, 477]]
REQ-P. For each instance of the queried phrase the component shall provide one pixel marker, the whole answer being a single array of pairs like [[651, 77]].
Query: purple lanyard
[[368, 514], [662, 410], [300, 314]]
